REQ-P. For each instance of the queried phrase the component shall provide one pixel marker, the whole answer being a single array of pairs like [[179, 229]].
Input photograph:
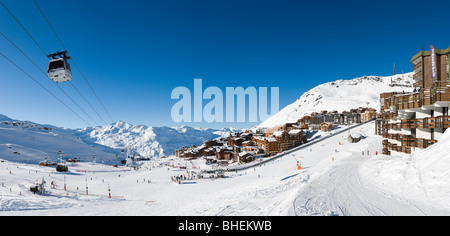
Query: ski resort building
[[327, 126], [316, 120], [418, 119], [269, 145]]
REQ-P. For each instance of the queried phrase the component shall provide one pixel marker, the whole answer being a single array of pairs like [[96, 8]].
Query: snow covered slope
[[341, 95], [334, 180], [150, 141], [27, 142], [423, 175]]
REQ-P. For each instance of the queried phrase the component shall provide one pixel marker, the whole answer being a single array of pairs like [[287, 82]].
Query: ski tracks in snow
[[341, 191], [412, 172]]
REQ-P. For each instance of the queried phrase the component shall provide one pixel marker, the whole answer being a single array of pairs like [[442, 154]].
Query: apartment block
[[416, 120]]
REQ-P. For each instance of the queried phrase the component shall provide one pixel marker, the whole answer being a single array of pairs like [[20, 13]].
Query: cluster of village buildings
[[407, 121], [245, 146]]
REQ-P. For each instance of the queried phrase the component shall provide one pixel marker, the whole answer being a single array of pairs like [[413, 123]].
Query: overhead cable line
[[62, 44], [45, 75], [45, 54], [42, 86], [26, 31], [78, 91]]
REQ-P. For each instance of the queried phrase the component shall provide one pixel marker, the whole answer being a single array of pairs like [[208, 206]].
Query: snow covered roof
[[271, 139], [242, 154], [328, 123], [295, 131], [259, 137], [355, 135], [278, 133]]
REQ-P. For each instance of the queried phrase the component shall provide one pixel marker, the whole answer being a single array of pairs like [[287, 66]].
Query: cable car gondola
[[59, 68]]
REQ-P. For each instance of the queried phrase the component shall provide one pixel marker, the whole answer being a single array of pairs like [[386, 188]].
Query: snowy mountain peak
[[147, 141], [120, 124], [150, 141]]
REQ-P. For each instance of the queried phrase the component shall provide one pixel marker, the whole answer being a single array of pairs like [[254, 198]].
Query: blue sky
[[135, 52]]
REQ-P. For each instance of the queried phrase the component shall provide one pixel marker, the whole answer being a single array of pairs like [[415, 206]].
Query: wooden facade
[[327, 127]]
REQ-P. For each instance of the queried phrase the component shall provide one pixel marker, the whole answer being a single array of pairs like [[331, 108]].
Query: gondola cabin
[[59, 68]]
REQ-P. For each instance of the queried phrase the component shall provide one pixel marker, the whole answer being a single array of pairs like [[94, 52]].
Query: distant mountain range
[[31, 142], [150, 141]]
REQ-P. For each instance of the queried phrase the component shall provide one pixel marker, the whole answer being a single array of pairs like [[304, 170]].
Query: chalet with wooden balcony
[[297, 137], [327, 126], [269, 145], [306, 120], [283, 140]]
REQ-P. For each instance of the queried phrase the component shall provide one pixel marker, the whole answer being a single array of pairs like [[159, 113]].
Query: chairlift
[[59, 68], [61, 166]]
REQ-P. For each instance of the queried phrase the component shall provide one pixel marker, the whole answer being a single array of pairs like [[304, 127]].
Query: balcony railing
[[397, 137], [395, 126], [408, 124], [419, 124], [389, 116], [408, 142], [440, 91], [440, 122], [429, 123], [424, 143], [408, 101]]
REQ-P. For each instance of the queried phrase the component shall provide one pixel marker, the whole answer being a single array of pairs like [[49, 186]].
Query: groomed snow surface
[[334, 180]]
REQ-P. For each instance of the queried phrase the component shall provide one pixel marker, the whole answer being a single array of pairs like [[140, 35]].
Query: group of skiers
[[179, 178], [368, 153]]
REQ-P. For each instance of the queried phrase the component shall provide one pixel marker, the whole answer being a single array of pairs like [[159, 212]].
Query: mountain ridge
[[150, 141], [147, 141]]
